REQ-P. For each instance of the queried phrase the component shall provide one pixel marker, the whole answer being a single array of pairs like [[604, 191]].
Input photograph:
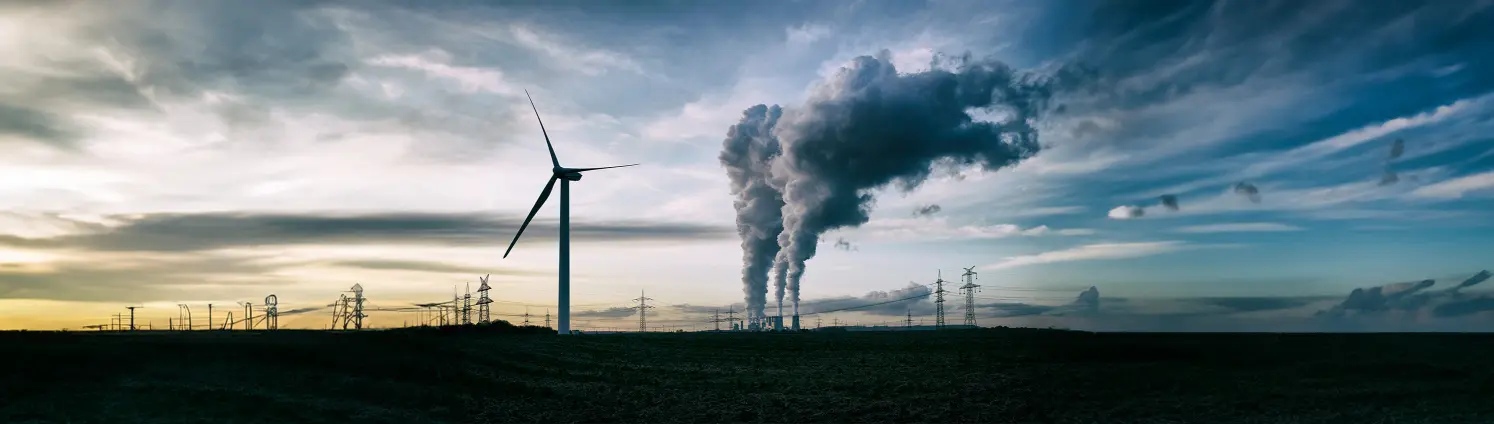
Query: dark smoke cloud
[[746, 153], [842, 244], [870, 127], [1170, 201], [1249, 191], [927, 210], [1397, 148]]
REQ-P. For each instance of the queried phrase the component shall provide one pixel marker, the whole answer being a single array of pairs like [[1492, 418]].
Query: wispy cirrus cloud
[[1090, 252], [1238, 227]]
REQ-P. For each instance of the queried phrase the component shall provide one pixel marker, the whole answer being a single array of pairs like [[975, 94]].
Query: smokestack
[[870, 127]]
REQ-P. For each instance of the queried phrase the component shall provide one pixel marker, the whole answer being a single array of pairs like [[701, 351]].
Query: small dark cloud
[[1016, 309], [425, 266], [926, 210], [1388, 178], [1170, 201], [842, 244], [1464, 307], [613, 312], [1397, 148], [196, 232], [1249, 191]]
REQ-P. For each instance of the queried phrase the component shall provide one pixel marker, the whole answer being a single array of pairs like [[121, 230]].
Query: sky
[[159, 153]]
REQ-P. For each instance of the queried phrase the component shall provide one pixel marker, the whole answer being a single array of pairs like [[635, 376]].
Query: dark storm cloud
[[425, 266], [34, 124], [196, 232], [926, 210], [140, 279], [613, 312]]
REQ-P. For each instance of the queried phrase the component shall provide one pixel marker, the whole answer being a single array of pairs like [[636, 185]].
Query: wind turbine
[[565, 176]]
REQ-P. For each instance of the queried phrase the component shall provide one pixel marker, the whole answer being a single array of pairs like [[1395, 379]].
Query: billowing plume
[[870, 127], [1480, 277], [748, 148], [1088, 300], [927, 210]]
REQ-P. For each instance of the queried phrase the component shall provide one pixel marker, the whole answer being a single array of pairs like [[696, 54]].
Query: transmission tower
[[642, 308], [909, 322], [939, 301], [816, 322], [358, 307], [467, 306], [716, 318], [272, 312], [248, 316], [547, 318], [483, 300], [969, 289], [526, 316]]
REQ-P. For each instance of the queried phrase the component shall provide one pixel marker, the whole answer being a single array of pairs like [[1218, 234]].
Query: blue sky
[[185, 152]]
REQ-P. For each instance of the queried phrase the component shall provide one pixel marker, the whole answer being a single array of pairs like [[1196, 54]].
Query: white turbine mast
[[565, 176]]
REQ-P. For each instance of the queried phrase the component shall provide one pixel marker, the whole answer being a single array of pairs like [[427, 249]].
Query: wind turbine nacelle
[[571, 176]]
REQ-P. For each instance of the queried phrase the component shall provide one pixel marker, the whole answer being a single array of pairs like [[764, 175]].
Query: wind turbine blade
[[553, 159], [604, 167], [541, 202]]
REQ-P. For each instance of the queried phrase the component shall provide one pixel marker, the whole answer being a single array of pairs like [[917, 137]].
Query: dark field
[[989, 376]]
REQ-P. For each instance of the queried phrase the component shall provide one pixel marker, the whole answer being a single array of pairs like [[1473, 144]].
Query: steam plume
[[746, 152], [870, 127]]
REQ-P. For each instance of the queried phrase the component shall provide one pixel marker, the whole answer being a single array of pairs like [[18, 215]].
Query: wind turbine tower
[[969, 289], [483, 311], [939, 301], [565, 176]]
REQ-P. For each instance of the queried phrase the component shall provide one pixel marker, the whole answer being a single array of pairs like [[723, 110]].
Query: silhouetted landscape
[[499, 374]]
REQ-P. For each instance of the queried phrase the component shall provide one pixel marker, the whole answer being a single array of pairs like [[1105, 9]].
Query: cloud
[[1126, 212], [939, 228], [613, 312], [424, 266], [140, 278], [570, 57], [1100, 251], [1238, 227], [926, 210], [435, 64], [842, 244], [208, 231], [806, 33], [884, 303], [1414, 301], [1456, 188]]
